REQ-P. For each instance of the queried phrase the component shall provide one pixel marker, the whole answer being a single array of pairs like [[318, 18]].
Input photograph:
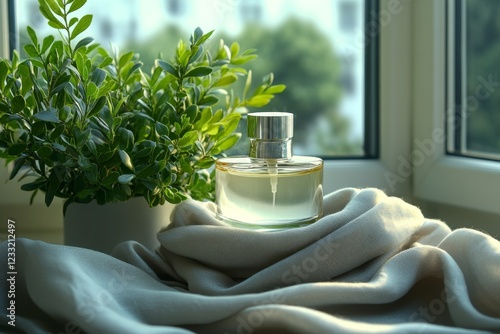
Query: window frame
[[4, 29], [441, 177]]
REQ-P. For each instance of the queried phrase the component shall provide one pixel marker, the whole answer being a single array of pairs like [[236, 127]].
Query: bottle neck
[[270, 149]]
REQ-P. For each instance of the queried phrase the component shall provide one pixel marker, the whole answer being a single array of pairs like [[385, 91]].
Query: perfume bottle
[[269, 189]]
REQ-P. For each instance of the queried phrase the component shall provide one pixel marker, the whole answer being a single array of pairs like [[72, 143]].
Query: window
[[451, 87], [352, 127], [301, 41], [474, 120]]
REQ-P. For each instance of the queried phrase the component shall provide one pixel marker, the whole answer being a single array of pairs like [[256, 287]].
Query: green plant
[[92, 125]]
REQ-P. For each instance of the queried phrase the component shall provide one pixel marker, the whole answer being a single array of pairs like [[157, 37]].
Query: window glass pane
[[478, 83], [315, 47]]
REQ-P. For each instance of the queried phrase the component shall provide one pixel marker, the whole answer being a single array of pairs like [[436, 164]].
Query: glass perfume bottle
[[269, 189]]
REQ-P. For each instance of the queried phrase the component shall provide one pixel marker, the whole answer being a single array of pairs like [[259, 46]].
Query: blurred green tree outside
[[482, 65], [302, 58], [299, 55]]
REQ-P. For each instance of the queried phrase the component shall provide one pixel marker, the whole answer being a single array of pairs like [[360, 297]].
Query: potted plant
[[94, 126]]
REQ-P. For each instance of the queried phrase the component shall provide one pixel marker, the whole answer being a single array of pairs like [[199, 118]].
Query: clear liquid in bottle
[[270, 189], [245, 196]]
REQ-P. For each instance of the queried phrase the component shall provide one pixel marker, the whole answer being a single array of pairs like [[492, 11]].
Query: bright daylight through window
[[475, 87], [316, 47]]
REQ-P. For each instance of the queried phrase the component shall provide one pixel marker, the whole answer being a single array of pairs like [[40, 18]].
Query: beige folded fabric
[[371, 264]]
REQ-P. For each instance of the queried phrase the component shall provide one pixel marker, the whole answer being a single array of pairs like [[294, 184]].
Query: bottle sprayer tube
[[270, 189]]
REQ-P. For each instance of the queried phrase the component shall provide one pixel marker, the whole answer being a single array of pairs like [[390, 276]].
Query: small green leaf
[[47, 13], [148, 171], [111, 178], [242, 59], [161, 129], [84, 163], [209, 100], [92, 173], [38, 128], [126, 178], [52, 188], [97, 106], [92, 147], [49, 115], [259, 100], [33, 185], [56, 49], [134, 68], [85, 193], [248, 83], [226, 79], [151, 184], [268, 79], [125, 137], [3, 72], [167, 67], [60, 84], [220, 62], [125, 59], [173, 196], [31, 50], [106, 62], [32, 35], [54, 7], [44, 152], [84, 42], [47, 42], [192, 112], [206, 162], [65, 113], [17, 167], [188, 139], [59, 147], [73, 21], [81, 137], [276, 89], [196, 54], [230, 124], [77, 4], [198, 33], [56, 24], [235, 49], [81, 26], [106, 88], [204, 37], [9, 118], [219, 114], [125, 158], [199, 72], [228, 142], [18, 104], [16, 149]]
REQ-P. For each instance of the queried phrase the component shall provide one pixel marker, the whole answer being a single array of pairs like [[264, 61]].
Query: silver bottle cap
[[270, 135]]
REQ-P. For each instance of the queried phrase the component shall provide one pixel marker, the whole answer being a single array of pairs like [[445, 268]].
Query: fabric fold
[[359, 229], [371, 264]]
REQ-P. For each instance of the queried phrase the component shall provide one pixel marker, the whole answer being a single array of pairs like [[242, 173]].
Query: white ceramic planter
[[102, 227]]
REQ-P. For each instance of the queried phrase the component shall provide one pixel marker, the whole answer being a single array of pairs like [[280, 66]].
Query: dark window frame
[[457, 109]]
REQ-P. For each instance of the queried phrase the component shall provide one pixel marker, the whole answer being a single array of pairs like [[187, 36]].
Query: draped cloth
[[371, 264]]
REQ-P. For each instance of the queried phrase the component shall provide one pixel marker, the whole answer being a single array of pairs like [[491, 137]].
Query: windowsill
[[461, 181]]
